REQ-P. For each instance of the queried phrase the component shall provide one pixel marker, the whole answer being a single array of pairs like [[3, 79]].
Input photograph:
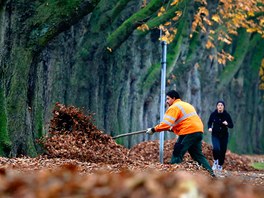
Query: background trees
[[105, 57]]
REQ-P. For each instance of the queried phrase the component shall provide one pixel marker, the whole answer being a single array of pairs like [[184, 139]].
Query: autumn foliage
[[219, 24]]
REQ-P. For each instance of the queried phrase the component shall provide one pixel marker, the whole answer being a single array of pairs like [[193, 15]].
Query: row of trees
[[104, 56]]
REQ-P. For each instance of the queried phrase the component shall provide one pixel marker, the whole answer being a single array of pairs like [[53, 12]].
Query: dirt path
[[255, 178]]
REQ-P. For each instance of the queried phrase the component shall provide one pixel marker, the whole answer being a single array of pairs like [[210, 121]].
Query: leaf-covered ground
[[82, 161]]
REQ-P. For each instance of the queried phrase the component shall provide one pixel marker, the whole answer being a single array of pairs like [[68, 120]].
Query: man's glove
[[150, 131]]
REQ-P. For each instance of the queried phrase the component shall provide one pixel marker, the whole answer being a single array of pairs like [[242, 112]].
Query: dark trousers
[[219, 148], [193, 144]]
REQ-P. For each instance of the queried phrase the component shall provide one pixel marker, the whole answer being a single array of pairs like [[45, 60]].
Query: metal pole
[[162, 95]]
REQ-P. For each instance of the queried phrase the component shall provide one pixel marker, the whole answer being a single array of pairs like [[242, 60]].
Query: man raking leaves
[[181, 118]]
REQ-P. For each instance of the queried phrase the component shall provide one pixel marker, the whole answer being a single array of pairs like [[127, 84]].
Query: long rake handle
[[128, 134]]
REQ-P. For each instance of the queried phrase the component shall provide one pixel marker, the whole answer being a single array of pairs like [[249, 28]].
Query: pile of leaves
[[149, 151], [73, 135]]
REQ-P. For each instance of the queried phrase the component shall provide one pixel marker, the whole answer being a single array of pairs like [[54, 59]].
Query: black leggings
[[219, 148]]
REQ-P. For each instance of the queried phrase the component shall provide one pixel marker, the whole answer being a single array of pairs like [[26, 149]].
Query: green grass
[[258, 165]]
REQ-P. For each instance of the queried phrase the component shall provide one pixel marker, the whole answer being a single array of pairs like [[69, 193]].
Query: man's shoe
[[174, 160], [213, 176]]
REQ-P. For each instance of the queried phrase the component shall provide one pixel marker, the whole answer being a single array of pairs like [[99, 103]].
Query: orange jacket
[[181, 118]]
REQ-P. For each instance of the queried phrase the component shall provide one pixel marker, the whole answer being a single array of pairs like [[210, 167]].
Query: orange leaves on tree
[[144, 27], [261, 21], [210, 40], [168, 29], [178, 14], [224, 37], [231, 29], [168, 33], [203, 2], [220, 23], [230, 16], [223, 56], [242, 14], [217, 18], [200, 17], [209, 44], [175, 2], [251, 13], [167, 23], [161, 11], [261, 75], [203, 10]]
